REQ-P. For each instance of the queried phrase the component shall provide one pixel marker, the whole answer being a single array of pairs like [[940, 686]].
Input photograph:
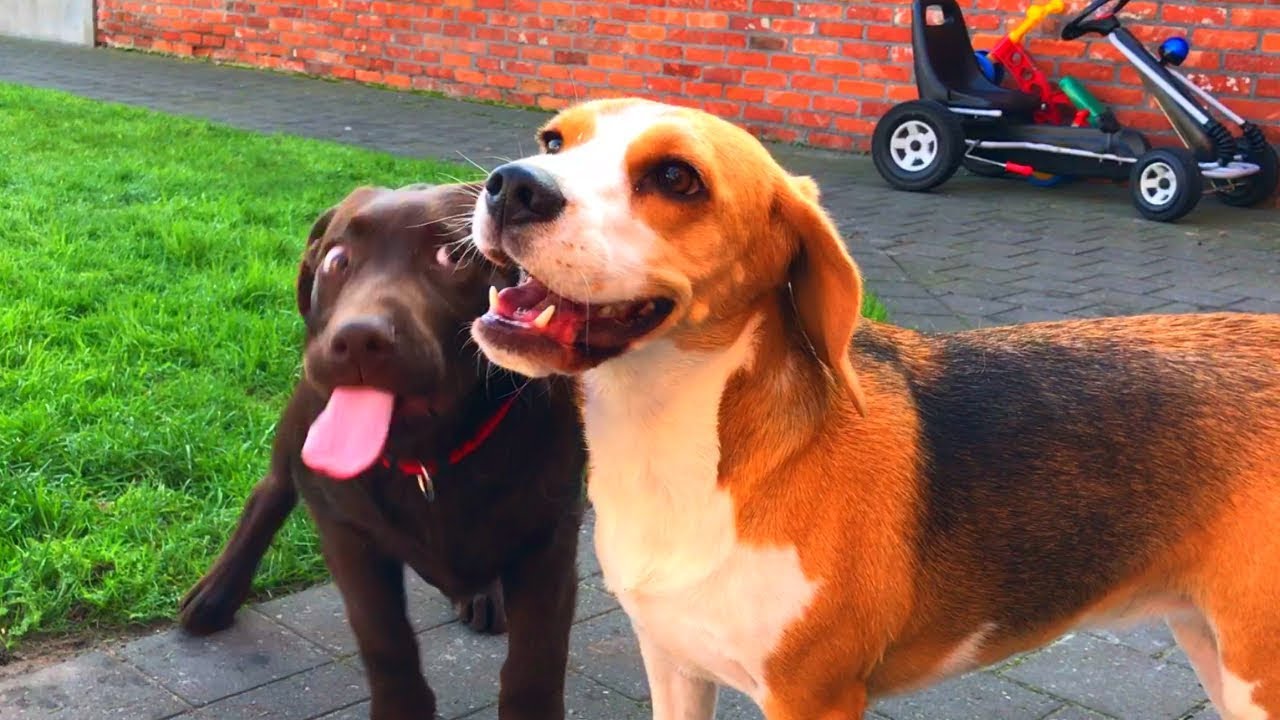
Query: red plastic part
[[1055, 106], [1019, 169]]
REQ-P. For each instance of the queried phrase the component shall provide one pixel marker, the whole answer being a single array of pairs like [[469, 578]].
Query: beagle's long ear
[[825, 284], [306, 268]]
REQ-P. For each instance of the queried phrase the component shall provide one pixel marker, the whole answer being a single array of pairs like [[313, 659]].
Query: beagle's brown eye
[[335, 260], [553, 142], [677, 178]]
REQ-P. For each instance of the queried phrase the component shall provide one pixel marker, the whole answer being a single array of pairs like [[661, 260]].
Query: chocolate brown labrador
[[409, 448]]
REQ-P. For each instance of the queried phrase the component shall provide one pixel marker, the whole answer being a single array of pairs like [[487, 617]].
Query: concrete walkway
[[978, 253]]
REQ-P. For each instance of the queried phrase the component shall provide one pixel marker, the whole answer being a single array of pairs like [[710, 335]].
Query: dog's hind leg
[[211, 604], [485, 612], [1248, 663], [1197, 640], [1239, 593]]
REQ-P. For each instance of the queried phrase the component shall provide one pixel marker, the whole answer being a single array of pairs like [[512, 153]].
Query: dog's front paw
[[210, 605], [484, 612]]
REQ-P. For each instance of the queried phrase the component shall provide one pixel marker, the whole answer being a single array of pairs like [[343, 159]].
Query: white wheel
[[918, 145], [1166, 184], [913, 146], [1159, 184]]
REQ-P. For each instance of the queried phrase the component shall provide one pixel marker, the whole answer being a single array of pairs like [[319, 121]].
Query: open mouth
[[531, 311]]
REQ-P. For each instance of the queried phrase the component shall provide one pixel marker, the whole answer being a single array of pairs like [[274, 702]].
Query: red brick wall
[[815, 71]]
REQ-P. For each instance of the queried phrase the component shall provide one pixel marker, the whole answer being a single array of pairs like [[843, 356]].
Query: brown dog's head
[[642, 222], [388, 286]]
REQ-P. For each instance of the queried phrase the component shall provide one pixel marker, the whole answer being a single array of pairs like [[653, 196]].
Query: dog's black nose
[[362, 340], [517, 193]]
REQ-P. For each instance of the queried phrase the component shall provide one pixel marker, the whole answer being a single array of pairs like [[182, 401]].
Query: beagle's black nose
[[517, 193]]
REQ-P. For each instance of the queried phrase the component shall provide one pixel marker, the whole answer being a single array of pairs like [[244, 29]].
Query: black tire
[[1166, 184], [929, 145], [1252, 190]]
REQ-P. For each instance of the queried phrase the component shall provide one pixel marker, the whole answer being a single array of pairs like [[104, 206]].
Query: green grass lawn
[[148, 340]]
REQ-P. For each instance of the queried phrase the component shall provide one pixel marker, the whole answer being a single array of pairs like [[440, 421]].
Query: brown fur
[[500, 535]]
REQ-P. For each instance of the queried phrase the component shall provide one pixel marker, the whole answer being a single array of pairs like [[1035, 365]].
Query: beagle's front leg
[[675, 693]]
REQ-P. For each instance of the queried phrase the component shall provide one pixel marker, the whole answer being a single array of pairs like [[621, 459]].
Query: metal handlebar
[[1105, 25]]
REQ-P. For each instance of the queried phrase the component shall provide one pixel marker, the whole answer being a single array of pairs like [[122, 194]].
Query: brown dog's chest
[[506, 496], [455, 540]]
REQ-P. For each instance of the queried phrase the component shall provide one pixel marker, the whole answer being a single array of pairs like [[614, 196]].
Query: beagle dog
[[819, 511]]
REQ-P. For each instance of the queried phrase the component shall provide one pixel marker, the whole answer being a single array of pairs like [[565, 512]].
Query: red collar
[[424, 471]]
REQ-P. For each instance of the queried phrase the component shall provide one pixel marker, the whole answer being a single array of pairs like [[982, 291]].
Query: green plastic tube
[[1082, 98]]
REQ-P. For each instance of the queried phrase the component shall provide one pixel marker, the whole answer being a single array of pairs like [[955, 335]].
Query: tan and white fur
[[819, 511]]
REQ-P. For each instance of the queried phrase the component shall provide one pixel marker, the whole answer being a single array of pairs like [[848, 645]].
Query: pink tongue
[[348, 436]]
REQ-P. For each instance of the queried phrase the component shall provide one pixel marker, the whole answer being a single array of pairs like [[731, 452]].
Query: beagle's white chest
[[725, 625], [666, 532]]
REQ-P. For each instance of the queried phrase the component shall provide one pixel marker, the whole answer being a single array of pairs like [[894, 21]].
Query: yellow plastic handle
[[1036, 14]]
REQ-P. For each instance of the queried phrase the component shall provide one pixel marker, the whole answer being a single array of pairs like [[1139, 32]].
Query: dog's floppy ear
[[825, 284], [306, 268]]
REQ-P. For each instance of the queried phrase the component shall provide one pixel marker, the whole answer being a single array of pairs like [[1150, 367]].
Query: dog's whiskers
[[477, 165], [460, 217]]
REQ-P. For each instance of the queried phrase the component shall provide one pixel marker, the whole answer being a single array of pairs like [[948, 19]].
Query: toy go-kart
[[963, 116]]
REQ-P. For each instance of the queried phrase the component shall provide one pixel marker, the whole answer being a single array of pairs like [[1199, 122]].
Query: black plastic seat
[[947, 71]]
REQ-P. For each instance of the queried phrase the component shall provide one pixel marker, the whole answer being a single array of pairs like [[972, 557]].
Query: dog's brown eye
[[335, 260], [552, 142], [677, 178]]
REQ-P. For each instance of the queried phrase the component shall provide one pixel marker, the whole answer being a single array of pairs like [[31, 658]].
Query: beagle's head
[[640, 221]]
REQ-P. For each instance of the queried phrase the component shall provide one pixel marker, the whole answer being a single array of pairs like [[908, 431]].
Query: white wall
[[62, 20]]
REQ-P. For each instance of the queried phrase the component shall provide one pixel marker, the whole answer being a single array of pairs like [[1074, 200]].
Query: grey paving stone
[[888, 290], [1111, 281], [1206, 713], [585, 698], [94, 686], [359, 711], [976, 696], [970, 306], [1151, 638], [604, 649], [1027, 315], [1179, 308], [997, 261], [920, 306], [733, 705], [1118, 302], [252, 652], [1058, 286], [462, 667], [1074, 712], [1112, 679], [593, 600], [933, 323], [1254, 305], [990, 276], [976, 288], [316, 614], [588, 564], [1180, 292], [298, 697], [1053, 301]]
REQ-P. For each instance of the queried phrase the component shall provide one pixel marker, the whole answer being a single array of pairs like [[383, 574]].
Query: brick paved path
[[978, 253]]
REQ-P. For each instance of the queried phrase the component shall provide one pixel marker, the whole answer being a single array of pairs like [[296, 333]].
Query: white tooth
[[493, 298], [544, 317], [648, 308], [606, 311]]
